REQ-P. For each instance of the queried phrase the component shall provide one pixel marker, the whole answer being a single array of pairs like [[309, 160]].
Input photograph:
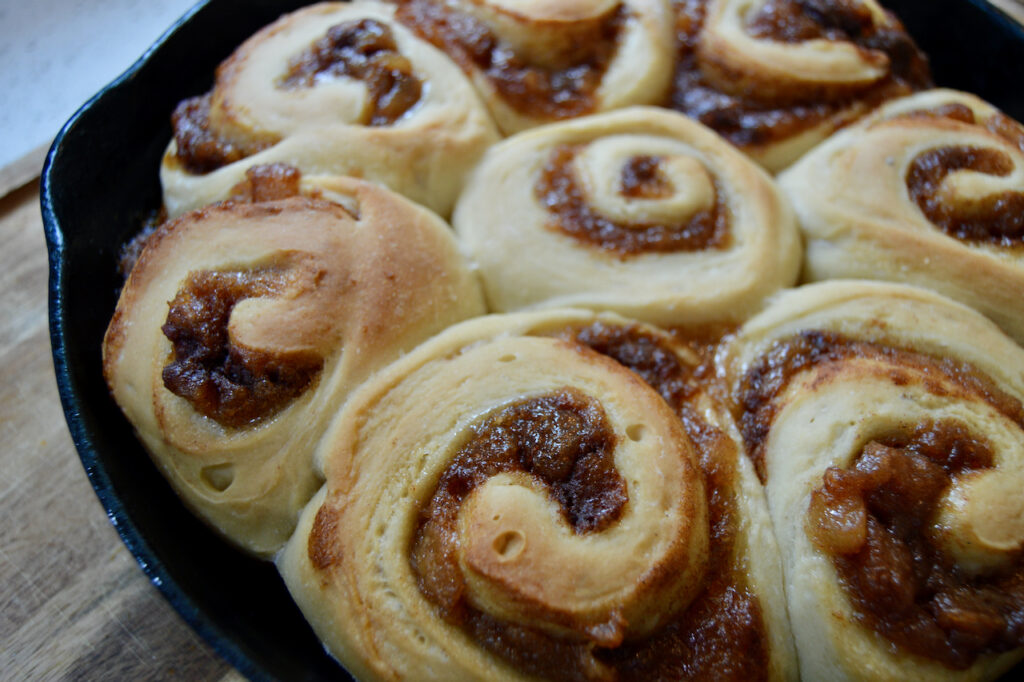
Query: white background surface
[[56, 54]]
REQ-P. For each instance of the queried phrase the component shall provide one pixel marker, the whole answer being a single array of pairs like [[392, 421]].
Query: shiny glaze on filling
[[559, 190], [875, 519], [749, 118], [227, 382], [564, 91]]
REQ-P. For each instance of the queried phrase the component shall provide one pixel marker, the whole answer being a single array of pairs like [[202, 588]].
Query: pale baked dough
[[356, 286], [555, 36], [506, 227], [787, 75], [853, 202], [348, 565], [323, 129], [832, 407]]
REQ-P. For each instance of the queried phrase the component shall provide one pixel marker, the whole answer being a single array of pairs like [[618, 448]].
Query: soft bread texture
[[349, 566], [713, 547], [502, 211], [853, 200], [543, 39], [822, 82], [810, 63], [354, 288], [835, 404], [324, 127]]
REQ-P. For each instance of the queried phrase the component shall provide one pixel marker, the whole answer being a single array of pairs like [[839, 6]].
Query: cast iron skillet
[[100, 182]]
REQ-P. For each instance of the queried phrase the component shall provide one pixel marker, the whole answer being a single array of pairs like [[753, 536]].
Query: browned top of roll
[[559, 189], [755, 108], [363, 49], [563, 89], [875, 518]]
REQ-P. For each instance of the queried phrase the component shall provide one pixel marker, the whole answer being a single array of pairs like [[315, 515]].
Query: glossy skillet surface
[[98, 185]]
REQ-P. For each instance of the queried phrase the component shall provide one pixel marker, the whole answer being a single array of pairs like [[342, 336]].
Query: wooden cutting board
[[73, 602]]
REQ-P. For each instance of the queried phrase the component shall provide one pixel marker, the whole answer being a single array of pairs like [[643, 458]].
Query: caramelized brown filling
[[875, 519], [322, 551], [199, 148], [997, 219], [750, 119], [954, 111], [642, 179], [268, 182], [721, 635], [364, 50], [643, 354], [1006, 128], [795, 21], [564, 442], [560, 192], [755, 399], [529, 89], [224, 381]]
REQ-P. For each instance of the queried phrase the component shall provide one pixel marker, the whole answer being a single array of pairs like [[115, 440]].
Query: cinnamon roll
[[333, 89], [641, 211], [928, 190], [548, 495], [243, 326], [775, 77], [537, 61], [887, 424]]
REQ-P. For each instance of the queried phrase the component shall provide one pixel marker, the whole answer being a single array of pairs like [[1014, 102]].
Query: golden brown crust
[[432, 130], [536, 62], [775, 77], [909, 195], [710, 251], [509, 590], [896, 402], [350, 292]]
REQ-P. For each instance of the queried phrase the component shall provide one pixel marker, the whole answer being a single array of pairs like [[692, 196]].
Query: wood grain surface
[[74, 605]]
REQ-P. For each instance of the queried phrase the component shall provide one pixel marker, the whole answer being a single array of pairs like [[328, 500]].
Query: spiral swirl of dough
[[243, 326], [929, 190], [510, 502], [333, 89], [641, 211], [538, 61], [887, 424], [776, 77]]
